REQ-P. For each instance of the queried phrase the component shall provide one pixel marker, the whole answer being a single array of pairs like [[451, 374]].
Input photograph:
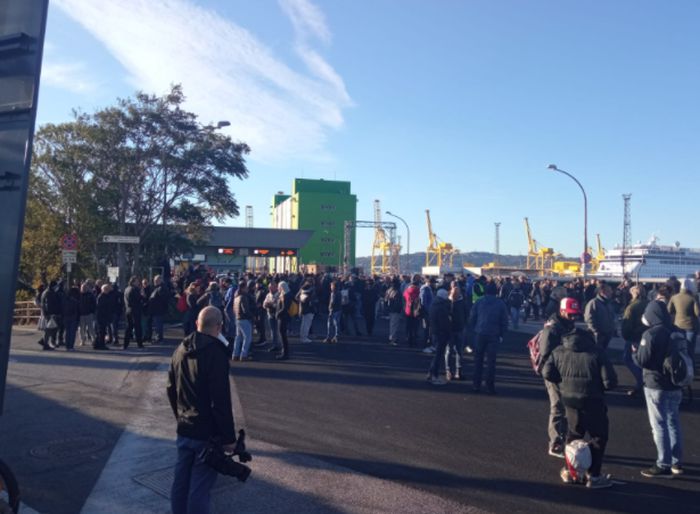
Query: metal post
[[585, 218], [408, 239], [22, 30]]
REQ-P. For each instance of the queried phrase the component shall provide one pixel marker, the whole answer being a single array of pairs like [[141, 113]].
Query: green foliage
[[127, 169]]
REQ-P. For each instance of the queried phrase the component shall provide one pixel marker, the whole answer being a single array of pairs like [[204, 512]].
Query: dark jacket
[[581, 368], [158, 302], [306, 298], [440, 316], [51, 303], [393, 300], [516, 298], [88, 304], [284, 301], [553, 330], [489, 316], [458, 314], [71, 308], [632, 326], [600, 318], [133, 302], [104, 309], [243, 306], [654, 346], [199, 390], [335, 302]]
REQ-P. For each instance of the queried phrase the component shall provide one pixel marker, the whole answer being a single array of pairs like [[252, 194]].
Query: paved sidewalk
[[138, 475]]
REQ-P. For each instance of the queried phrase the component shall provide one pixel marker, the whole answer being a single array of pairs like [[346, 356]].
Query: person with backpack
[[632, 330], [394, 305], [685, 310], [515, 300], [458, 321], [306, 297], [560, 323], [412, 310], [583, 372], [663, 397]]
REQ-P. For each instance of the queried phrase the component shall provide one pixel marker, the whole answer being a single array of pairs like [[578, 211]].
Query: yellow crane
[[538, 258], [385, 253], [437, 250]]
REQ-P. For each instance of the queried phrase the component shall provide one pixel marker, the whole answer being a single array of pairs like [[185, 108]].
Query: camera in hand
[[215, 457]]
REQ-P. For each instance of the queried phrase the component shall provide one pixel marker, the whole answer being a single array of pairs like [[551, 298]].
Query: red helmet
[[570, 306]]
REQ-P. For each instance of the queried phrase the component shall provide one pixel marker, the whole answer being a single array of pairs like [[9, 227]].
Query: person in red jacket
[[412, 310]]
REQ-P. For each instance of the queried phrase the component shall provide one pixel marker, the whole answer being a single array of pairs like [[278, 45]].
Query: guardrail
[[26, 313]]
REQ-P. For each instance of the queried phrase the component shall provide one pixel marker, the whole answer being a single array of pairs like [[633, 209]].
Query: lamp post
[[585, 257], [408, 237]]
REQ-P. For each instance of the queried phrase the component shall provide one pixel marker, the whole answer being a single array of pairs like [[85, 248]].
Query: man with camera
[[199, 394]]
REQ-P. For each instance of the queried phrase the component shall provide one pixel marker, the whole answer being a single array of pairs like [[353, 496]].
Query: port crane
[[438, 251]]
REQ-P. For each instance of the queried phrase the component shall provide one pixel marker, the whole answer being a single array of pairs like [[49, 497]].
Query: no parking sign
[[69, 241]]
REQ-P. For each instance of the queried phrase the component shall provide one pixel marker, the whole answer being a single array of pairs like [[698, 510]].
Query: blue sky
[[453, 106]]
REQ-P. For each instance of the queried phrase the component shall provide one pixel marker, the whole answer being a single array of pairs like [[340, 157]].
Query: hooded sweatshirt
[[654, 346], [199, 389]]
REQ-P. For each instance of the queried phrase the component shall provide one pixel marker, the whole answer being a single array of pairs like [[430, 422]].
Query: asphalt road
[[64, 412], [365, 405]]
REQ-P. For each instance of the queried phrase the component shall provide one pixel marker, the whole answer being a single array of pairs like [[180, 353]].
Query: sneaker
[[247, 358], [468, 349], [634, 392], [448, 375], [334, 340], [677, 469], [457, 376], [326, 340], [566, 476], [428, 350], [657, 472], [437, 381], [393, 343], [599, 482], [557, 450], [307, 341]]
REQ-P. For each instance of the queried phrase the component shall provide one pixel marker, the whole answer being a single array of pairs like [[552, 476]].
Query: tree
[[133, 168]]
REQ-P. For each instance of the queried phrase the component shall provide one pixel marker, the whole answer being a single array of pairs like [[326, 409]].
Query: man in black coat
[[441, 326], [133, 302], [200, 397], [158, 305], [583, 372]]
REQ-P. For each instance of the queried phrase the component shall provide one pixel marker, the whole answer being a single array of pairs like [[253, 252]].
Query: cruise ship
[[650, 261]]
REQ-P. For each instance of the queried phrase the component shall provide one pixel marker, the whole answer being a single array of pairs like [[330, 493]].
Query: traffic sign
[[113, 273], [69, 241], [131, 240], [69, 256]]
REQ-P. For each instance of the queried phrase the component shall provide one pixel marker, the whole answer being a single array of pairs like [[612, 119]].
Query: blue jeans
[[515, 317], [455, 348], [244, 338], [334, 324], [274, 332], [193, 479], [631, 365], [662, 407], [158, 324], [488, 346]]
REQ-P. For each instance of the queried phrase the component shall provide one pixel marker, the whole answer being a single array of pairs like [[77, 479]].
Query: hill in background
[[417, 260]]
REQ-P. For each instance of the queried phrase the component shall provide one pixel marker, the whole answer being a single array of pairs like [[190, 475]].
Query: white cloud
[[226, 72], [71, 76]]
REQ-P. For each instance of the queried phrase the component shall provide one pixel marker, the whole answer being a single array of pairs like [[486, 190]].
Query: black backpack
[[678, 365]]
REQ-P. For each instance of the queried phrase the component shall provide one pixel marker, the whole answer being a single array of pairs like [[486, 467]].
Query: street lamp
[[585, 257], [408, 238]]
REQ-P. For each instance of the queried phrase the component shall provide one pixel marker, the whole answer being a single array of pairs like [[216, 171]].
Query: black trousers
[[100, 336], [283, 322], [412, 325], [133, 327], [591, 418]]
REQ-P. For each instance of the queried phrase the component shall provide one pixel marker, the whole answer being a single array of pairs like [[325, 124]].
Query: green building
[[322, 206]]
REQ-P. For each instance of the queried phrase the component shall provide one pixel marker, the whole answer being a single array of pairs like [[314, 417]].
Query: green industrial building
[[322, 206]]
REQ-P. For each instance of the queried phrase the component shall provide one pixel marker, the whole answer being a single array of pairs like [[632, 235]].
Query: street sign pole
[[22, 30]]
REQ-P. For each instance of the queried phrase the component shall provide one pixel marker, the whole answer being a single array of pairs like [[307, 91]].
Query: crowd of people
[[448, 318]]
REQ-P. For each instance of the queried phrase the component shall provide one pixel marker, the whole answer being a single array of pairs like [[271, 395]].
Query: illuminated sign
[[288, 253], [227, 251], [259, 251]]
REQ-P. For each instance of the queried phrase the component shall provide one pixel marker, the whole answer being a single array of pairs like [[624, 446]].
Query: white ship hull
[[650, 261]]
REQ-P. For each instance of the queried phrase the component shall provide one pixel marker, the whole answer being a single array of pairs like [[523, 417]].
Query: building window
[[327, 240], [326, 223], [327, 207], [326, 254]]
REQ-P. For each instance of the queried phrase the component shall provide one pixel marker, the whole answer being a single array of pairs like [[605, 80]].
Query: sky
[[457, 106]]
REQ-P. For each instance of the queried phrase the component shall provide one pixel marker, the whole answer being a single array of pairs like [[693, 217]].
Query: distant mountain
[[417, 260]]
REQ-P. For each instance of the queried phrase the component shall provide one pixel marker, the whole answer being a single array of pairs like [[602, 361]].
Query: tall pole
[[408, 238], [626, 231], [498, 241], [585, 257]]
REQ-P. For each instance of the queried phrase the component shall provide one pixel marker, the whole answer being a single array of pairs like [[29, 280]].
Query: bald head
[[209, 321]]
